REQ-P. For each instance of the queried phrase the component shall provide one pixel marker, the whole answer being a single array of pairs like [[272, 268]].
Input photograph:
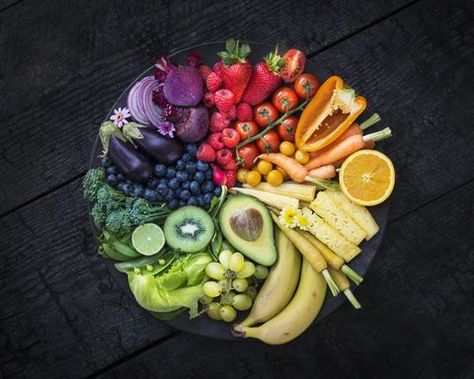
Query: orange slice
[[367, 177]]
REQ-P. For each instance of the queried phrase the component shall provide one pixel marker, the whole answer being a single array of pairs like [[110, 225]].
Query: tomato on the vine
[[306, 85], [246, 129], [285, 99], [265, 113], [293, 66], [286, 130], [247, 154], [269, 143]]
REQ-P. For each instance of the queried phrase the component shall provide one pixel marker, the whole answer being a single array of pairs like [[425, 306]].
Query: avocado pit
[[247, 224]]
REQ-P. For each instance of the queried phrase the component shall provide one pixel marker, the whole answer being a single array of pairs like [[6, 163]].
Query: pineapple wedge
[[359, 214], [335, 216]]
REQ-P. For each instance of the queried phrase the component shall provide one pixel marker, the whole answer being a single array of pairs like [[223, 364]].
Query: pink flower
[[166, 128], [120, 116]]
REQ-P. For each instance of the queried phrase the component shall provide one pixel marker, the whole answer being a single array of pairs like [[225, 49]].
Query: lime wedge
[[148, 239]]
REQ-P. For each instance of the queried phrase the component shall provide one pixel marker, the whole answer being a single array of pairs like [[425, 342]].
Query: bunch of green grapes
[[232, 289]]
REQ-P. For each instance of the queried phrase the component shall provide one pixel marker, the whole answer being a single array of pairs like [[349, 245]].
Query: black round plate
[[203, 325]]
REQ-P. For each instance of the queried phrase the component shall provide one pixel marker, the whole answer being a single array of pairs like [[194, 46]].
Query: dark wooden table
[[62, 64]]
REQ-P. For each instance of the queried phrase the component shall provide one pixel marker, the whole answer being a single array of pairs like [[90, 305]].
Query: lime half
[[148, 239]]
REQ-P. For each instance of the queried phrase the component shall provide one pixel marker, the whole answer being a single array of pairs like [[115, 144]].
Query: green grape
[[247, 271], [228, 313], [214, 311], [236, 262], [242, 302], [212, 289], [224, 258], [252, 292], [240, 285], [225, 284], [205, 299], [261, 272], [215, 270], [228, 298]]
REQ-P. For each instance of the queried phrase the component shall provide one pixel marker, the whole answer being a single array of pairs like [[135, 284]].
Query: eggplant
[[131, 162], [162, 149]]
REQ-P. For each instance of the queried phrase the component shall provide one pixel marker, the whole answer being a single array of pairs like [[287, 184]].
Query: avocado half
[[246, 223]]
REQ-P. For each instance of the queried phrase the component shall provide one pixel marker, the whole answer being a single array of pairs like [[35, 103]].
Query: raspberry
[[232, 114], [204, 71], [215, 140], [213, 82], [223, 157], [208, 99], [219, 122], [230, 178], [206, 153], [232, 165], [230, 137], [224, 99], [218, 67], [244, 112]]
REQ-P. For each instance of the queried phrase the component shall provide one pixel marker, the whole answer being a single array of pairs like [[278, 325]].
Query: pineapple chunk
[[337, 218], [359, 214]]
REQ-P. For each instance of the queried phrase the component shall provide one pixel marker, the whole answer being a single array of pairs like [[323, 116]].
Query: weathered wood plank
[[415, 321], [61, 312], [57, 86]]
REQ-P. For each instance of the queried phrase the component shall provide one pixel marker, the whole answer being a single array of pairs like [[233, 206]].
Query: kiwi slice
[[188, 229]]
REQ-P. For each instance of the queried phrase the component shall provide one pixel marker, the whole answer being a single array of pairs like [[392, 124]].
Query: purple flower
[[120, 116], [166, 128]]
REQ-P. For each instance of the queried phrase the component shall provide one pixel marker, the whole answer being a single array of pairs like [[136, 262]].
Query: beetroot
[[192, 124], [183, 86]]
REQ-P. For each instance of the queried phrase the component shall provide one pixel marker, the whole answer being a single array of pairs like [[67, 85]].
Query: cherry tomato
[[293, 66], [306, 85], [248, 153], [271, 144], [264, 114], [285, 99], [246, 129], [286, 130]]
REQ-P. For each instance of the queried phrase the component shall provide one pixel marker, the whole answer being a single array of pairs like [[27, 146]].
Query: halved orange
[[367, 177]]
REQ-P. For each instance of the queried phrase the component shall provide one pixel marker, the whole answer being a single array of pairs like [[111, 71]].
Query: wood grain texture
[[415, 321], [61, 83]]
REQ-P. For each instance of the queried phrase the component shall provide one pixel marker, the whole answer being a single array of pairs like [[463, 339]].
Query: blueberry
[[138, 192], [217, 191], [170, 195], [201, 200], [207, 198], [186, 157], [199, 176], [208, 187], [173, 204], [193, 200], [185, 185], [120, 177], [180, 164], [195, 188], [191, 149], [202, 166], [149, 194], [153, 183], [160, 170], [105, 162], [111, 179], [112, 170], [164, 181], [182, 203], [162, 188], [129, 182], [170, 172], [209, 174], [120, 185], [173, 183], [127, 189], [190, 168], [185, 195], [182, 176]]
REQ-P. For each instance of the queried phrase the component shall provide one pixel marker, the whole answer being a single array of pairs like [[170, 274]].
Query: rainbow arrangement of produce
[[239, 187]]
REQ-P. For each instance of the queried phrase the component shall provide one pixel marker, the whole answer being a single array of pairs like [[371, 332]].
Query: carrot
[[323, 172], [308, 251], [296, 171], [344, 285], [368, 145], [346, 148]]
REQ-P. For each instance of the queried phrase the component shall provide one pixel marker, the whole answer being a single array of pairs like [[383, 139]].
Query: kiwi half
[[188, 229]]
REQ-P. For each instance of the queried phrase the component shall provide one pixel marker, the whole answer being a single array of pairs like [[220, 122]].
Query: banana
[[280, 284], [298, 314]]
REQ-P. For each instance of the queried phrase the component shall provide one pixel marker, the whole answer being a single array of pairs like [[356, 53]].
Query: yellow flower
[[288, 217], [302, 221]]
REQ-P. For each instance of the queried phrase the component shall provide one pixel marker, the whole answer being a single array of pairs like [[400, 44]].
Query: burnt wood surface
[[62, 64]]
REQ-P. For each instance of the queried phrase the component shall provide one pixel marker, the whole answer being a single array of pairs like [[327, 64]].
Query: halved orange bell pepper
[[332, 110]]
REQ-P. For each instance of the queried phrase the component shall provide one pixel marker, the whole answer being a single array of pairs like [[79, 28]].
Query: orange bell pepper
[[332, 110]]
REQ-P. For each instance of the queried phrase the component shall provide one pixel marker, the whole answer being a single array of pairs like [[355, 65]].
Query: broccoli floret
[[93, 181], [110, 199], [99, 216], [118, 222], [142, 212]]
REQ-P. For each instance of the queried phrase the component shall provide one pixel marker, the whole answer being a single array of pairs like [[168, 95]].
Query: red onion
[[140, 102]]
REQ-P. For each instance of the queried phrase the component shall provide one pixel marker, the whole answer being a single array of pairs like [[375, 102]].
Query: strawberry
[[219, 122], [230, 137], [206, 153], [215, 140], [224, 100], [265, 79], [236, 69], [223, 157], [204, 71], [244, 112], [208, 100], [213, 82], [230, 178], [232, 165]]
